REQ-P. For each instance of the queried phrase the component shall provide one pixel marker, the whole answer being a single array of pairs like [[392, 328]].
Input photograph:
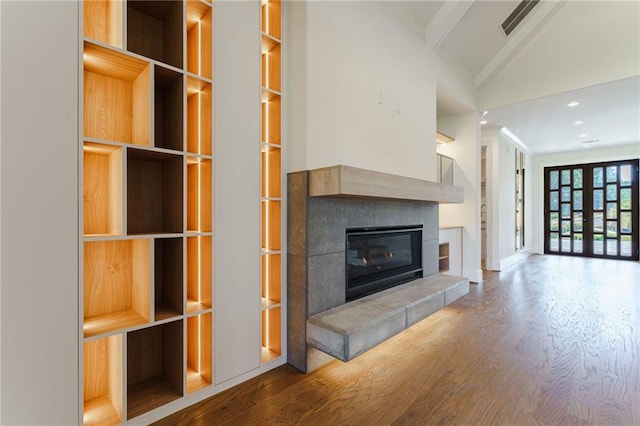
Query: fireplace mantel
[[347, 181]]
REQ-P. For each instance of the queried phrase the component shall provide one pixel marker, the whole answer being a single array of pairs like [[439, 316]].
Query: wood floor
[[551, 341]]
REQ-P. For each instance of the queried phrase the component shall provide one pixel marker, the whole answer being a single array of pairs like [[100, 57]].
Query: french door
[[592, 210]]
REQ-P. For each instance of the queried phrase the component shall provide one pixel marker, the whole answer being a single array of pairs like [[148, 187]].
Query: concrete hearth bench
[[348, 330]]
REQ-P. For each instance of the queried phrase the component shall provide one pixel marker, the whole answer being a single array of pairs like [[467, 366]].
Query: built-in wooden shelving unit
[[271, 173], [147, 251]]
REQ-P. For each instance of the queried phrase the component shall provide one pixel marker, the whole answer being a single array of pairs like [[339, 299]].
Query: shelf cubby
[[117, 96], [199, 195], [117, 285], [154, 30], [199, 352], [271, 280], [199, 122], [199, 38], [271, 172], [103, 373], [154, 192], [154, 367], [271, 336], [168, 278], [271, 68], [168, 93], [103, 21], [270, 118], [443, 257], [102, 184], [271, 18], [199, 273], [271, 225]]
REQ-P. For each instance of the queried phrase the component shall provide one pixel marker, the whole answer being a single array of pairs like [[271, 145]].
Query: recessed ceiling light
[[483, 122], [584, 135], [578, 123], [485, 113], [573, 104]]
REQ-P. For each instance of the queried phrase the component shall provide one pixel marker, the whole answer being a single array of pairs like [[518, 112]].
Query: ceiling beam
[[444, 21], [518, 39]]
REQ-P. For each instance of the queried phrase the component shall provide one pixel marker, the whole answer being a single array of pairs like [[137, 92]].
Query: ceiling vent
[[518, 15]]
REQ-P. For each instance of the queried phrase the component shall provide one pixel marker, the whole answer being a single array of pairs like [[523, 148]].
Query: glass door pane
[[592, 210]]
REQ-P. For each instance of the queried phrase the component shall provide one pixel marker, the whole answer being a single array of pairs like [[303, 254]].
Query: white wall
[[588, 155], [501, 199], [39, 212], [584, 44], [465, 129], [340, 54]]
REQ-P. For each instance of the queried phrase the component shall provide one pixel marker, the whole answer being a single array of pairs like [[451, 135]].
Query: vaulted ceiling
[[562, 51]]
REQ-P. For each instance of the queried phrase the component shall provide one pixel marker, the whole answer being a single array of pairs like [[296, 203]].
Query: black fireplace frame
[[359, 287]]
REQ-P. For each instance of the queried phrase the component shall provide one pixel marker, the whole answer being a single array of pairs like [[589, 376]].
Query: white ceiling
[[468, 32], [610, 112]]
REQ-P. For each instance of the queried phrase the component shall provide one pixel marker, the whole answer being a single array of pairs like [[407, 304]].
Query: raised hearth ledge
[[347, 181]]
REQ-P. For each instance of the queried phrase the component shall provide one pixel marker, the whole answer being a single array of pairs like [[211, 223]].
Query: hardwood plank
[[552, 340]]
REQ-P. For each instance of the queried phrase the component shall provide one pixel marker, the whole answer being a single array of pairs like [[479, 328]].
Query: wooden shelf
[[199, 273], [271, 181], [199, 352], [443, 257], [353, 182], [168, 278], [271, 225], [271, 334], [103, 396], [168, 108], [154, 192], [199, 32], [147, 143], [271, 118], [154, 30], [271, 172], [117, 94], [103, 21], [199, 121], [271, 279], [154, 367], [271, 64], [117, 285], [199, 194], [102, 194], [271, 18]]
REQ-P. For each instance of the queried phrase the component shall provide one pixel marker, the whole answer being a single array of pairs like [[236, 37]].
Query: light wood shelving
[[103, 397], [117, 285], [271, 335], [102, 189], [103, 21], [199, 273], [117, 94], [271, 180], [147, 251], [199, 38], [199, 352], [199, 109], [199, 194]]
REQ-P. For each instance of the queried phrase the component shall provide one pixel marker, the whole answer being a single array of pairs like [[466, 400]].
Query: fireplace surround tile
[[316, 244], [326, 275]]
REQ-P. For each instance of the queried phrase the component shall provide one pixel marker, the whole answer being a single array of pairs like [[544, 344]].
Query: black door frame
[[587, 210]]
